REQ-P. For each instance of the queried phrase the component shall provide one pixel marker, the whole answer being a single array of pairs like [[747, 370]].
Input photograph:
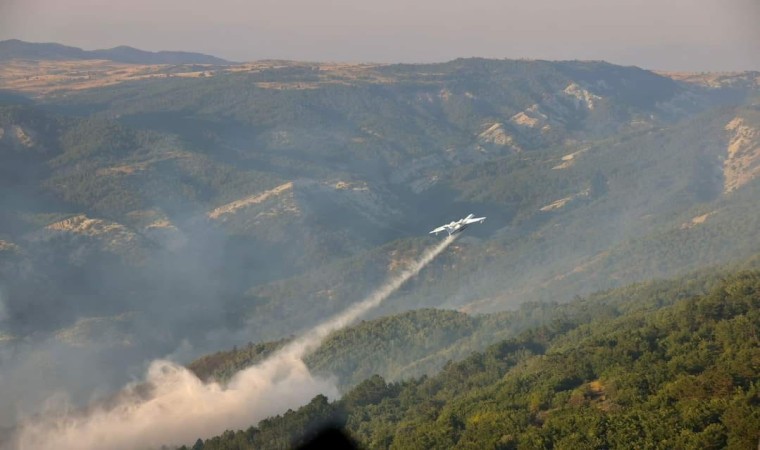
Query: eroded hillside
[[742, 164]]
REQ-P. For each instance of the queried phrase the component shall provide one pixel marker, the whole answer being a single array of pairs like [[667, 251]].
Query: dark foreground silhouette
[[329, 437]]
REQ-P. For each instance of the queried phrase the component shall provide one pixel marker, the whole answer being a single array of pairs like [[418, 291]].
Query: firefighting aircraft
[[459, 225]]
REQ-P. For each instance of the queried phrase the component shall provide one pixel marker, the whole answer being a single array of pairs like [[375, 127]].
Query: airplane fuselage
[[458, 226]]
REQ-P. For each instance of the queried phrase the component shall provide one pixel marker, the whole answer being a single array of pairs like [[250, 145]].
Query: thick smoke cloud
[[172, 406], [88, 329], [177, 408]]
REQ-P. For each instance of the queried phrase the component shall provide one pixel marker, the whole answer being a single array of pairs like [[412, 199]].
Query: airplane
[[459, 225]]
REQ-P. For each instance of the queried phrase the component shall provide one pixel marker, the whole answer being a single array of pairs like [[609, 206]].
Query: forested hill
[[420, 342], [675, 372]]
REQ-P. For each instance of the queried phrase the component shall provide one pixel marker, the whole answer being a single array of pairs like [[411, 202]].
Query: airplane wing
[[474, 219], [438, 230]]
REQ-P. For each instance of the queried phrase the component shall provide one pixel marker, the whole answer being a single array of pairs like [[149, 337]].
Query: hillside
[[421, 342], [676, 371], [272, 178], [157, 210]]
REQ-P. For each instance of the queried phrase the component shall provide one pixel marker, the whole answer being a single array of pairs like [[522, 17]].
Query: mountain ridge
[[18, 49]]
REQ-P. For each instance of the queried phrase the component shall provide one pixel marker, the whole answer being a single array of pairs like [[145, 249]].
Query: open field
[[44, 78]]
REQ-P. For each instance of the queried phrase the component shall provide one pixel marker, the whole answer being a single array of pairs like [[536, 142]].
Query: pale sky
[[654, 34]]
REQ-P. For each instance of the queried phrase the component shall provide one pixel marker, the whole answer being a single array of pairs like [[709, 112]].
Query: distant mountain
[[16, 49]]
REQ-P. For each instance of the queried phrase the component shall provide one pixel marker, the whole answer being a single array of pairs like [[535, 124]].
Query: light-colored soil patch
[[231, 207], [129, 169], [23, 137], [561, 203], [531, 118], [352, 186], [81, 224], [148, 219], [17, 136], [160, 223], [113, 236], [569, 159], [495, 134], [6, 246], [742, 163], [557, 204], [523, 119], [563, 165], [696, 221], [582, 96], [716, 79]]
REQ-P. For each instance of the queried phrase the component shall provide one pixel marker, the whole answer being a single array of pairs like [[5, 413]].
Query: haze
[[690, 35]]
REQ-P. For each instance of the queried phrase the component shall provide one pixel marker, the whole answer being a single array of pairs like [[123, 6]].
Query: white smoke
[[174, 407], [178, 408], [313, 339]]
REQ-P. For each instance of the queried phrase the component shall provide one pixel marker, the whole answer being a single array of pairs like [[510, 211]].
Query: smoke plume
[[311, 340], [174, 407]]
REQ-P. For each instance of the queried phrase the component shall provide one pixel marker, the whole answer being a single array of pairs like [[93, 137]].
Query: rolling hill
[[179, 209]]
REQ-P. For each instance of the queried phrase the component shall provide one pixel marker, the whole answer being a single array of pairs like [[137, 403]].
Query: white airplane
[[459, 225]]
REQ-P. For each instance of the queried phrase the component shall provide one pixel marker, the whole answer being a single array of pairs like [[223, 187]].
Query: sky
[[692, 35]]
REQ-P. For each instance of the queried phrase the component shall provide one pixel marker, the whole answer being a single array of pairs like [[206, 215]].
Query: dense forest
[[656, 367]]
